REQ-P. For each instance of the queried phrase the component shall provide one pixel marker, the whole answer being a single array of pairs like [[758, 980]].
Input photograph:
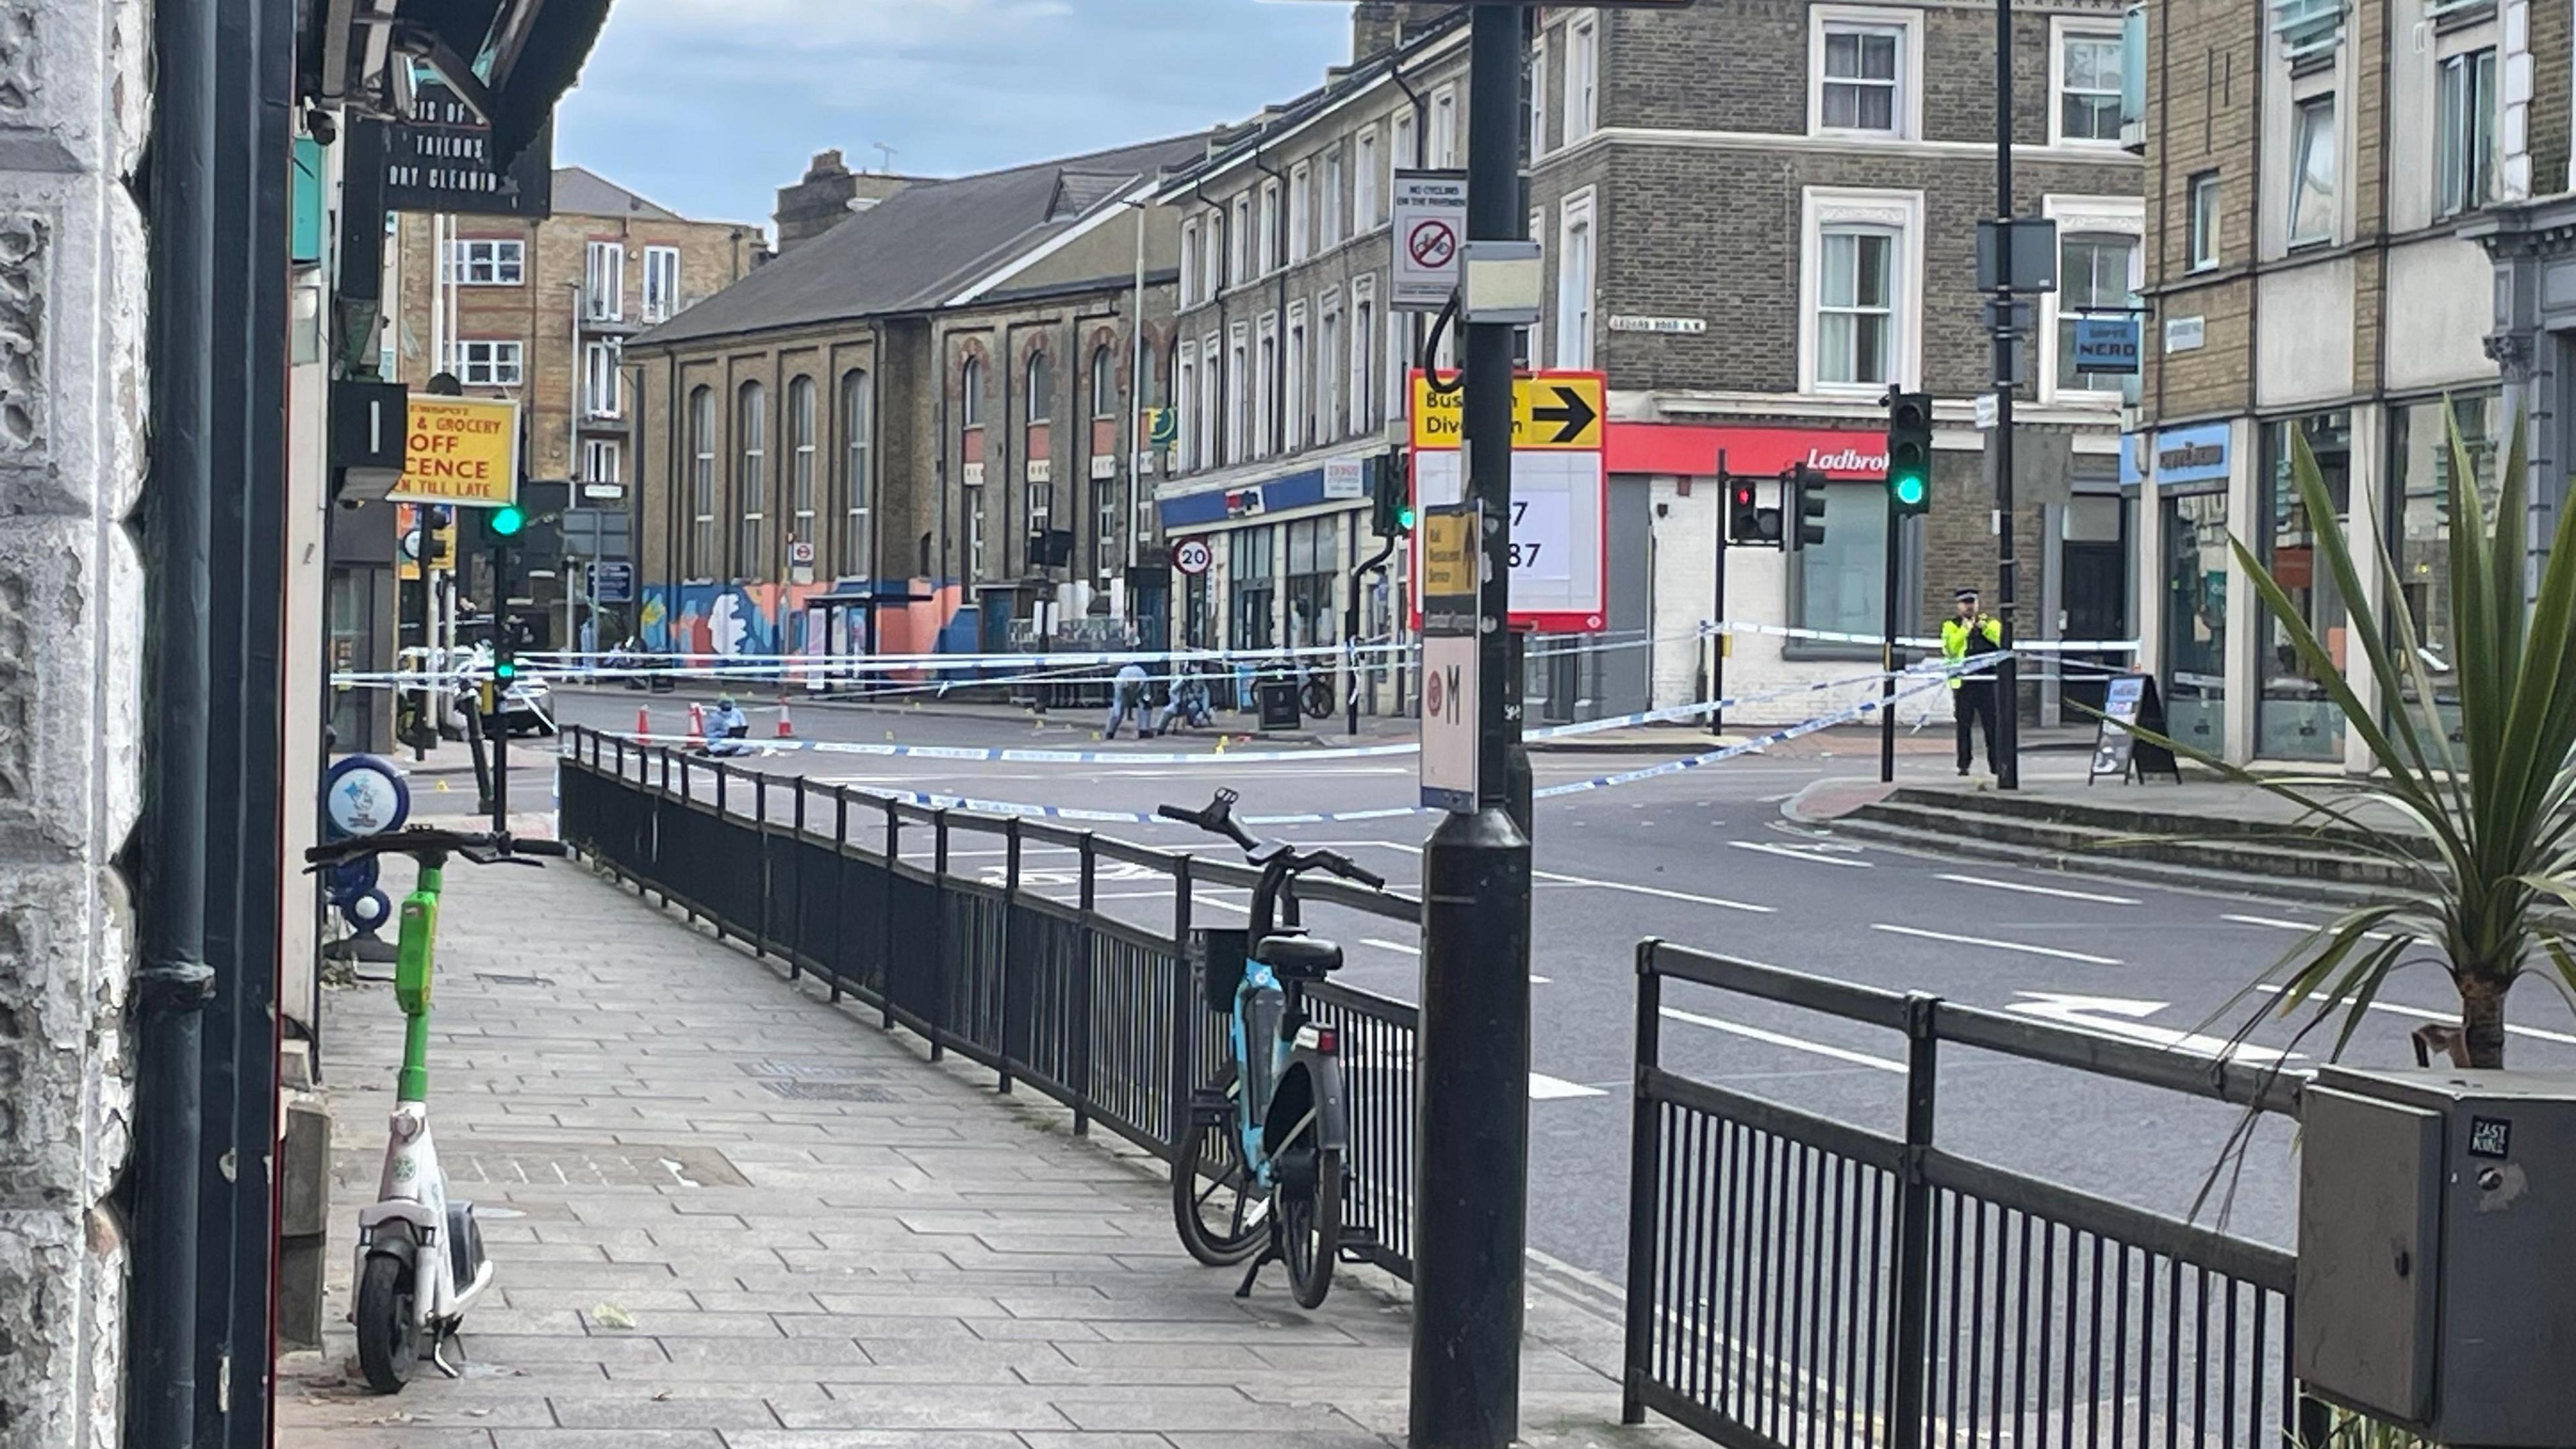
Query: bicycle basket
[[1217, 953]]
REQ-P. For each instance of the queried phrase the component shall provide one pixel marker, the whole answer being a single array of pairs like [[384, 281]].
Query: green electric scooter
[[420, 1258]]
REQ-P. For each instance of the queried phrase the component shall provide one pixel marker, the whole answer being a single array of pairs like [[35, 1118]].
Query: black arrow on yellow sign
[[1572, 414]]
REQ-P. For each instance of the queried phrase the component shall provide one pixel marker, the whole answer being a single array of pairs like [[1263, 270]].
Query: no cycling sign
[[1430, 212]]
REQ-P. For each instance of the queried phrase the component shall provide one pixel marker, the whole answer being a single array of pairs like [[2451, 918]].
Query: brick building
[[914, 430], [2321, 180], [826, 195], [1752, 264], [541, 311]]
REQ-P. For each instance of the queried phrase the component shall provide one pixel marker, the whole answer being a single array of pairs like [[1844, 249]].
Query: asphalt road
[[1704, 858]]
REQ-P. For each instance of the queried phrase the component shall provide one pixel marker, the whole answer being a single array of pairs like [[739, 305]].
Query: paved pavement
[[728, 1215]]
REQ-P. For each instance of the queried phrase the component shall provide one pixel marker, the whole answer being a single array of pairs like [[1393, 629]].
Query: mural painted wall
[[736, 620]]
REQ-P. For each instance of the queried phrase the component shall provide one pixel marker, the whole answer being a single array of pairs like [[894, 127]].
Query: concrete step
[[2135, 811], [2221, 863]]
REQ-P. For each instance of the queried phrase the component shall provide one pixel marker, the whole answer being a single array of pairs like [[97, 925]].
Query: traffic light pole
[[1471, 1242], [500, 716], [1717, 606], [423, 726], [1887, 645], [2007, 682]]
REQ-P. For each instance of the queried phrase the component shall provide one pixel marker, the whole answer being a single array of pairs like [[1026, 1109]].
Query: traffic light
[[503, 525], [1748, 524], [1391, 501], [1909, 452], [1803, 488]]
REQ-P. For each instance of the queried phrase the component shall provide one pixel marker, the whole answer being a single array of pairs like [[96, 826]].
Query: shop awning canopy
[[525, 53]]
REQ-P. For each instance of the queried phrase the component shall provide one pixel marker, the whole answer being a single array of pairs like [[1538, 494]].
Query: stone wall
[[73, 113]]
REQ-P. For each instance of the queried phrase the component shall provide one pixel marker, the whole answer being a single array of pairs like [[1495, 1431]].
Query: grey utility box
[[2437, 1251]]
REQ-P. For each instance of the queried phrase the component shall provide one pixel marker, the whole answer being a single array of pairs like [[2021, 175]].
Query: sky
[[709, 106]]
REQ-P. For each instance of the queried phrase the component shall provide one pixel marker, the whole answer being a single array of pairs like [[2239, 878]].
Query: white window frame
[[1185, 395], [1531, 341], [1212, 402], [1538, 97], [661, 283], [751, 473], [804, 440], [1238, 392], [1900, 212], [603, 384], [1331, 210], [2060, 31], [1239, 241], [1267, 356], [1212, 256], [1329, 420], [488, 261], [1399, 151], [1582, 77], [1296, 354], [603, 281], [488, 361], [1906, 110], [706, 484], [2467, 46], [2198, 210], [602, 461], [1366, 192], [858, 453], [1576, 311], [1361, 395], [2294, 175], [1190, 264], [1301, 211], [2123, 216], [1269, 224], [1395, 390], [1443, 140]]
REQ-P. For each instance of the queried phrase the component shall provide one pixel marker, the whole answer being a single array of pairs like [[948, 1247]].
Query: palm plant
[[2485, 829]]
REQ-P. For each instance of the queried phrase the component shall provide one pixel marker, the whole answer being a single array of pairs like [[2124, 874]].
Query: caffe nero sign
[[440, 159]]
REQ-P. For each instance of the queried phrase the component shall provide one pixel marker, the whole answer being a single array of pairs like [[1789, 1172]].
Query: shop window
[[2419, 491], [1314, 561], [2196, 554], [1252, 583], [1839, 585], [2293, 717]]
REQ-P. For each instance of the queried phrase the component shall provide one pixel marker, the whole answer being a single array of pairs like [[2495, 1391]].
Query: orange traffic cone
[[643, 722], [786, 730], [697, 720]]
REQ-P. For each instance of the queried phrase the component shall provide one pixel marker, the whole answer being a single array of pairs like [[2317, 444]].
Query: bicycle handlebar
[[1218, 819], [480, 847]]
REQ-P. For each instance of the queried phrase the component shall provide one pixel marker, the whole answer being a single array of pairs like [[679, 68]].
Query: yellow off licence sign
[[1558, 411], [461, 450]]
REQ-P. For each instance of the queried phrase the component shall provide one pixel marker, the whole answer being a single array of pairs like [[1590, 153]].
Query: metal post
[[1645, 1176], [1078, 1000], [1185, 1014], [1717, 604], [173, 987], [424, 722], [885, 915], [1473, 1125], [500, 696], [1887, 645], [1914, 1223], [935, 1016], [1010, 904], [840, 962], [2007, 682], [1351, 618]]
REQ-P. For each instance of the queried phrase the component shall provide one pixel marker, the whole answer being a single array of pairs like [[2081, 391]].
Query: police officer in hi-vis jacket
[[1966, 637]]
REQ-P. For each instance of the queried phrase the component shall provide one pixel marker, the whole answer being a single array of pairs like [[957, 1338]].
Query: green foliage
[[2484, 829], [2349, 1430]]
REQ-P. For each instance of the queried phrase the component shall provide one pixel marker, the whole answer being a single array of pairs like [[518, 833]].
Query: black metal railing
[[1100, 1013], [1795, 1281]]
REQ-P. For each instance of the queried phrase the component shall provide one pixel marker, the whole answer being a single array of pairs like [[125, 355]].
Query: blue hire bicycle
[[1259, 1174]]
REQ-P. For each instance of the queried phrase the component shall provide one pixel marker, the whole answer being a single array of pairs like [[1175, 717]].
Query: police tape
[[939, 801], [1836, 636], [1021, 755]]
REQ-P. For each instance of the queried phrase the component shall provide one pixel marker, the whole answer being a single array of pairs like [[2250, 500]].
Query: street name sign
[[1559, 553]]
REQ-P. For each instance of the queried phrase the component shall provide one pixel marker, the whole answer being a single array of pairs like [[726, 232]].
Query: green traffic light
[[1908, 487], [507, 520], [1405, 516], [505, 670]]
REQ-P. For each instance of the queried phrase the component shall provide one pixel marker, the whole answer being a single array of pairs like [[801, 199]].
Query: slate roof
[[584, 192], [919, 247]]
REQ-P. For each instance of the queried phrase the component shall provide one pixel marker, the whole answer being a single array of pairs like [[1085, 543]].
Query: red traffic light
[[1743, 495]]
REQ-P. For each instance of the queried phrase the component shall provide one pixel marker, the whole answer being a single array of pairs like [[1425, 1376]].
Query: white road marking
[[2114, 1016], [1395, 946], [1781, 1039], [1620, 885], [2040, 890], [2447, 1018], [1544, 1088], [2086, 958], [1794, 853], [2276, 923]]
